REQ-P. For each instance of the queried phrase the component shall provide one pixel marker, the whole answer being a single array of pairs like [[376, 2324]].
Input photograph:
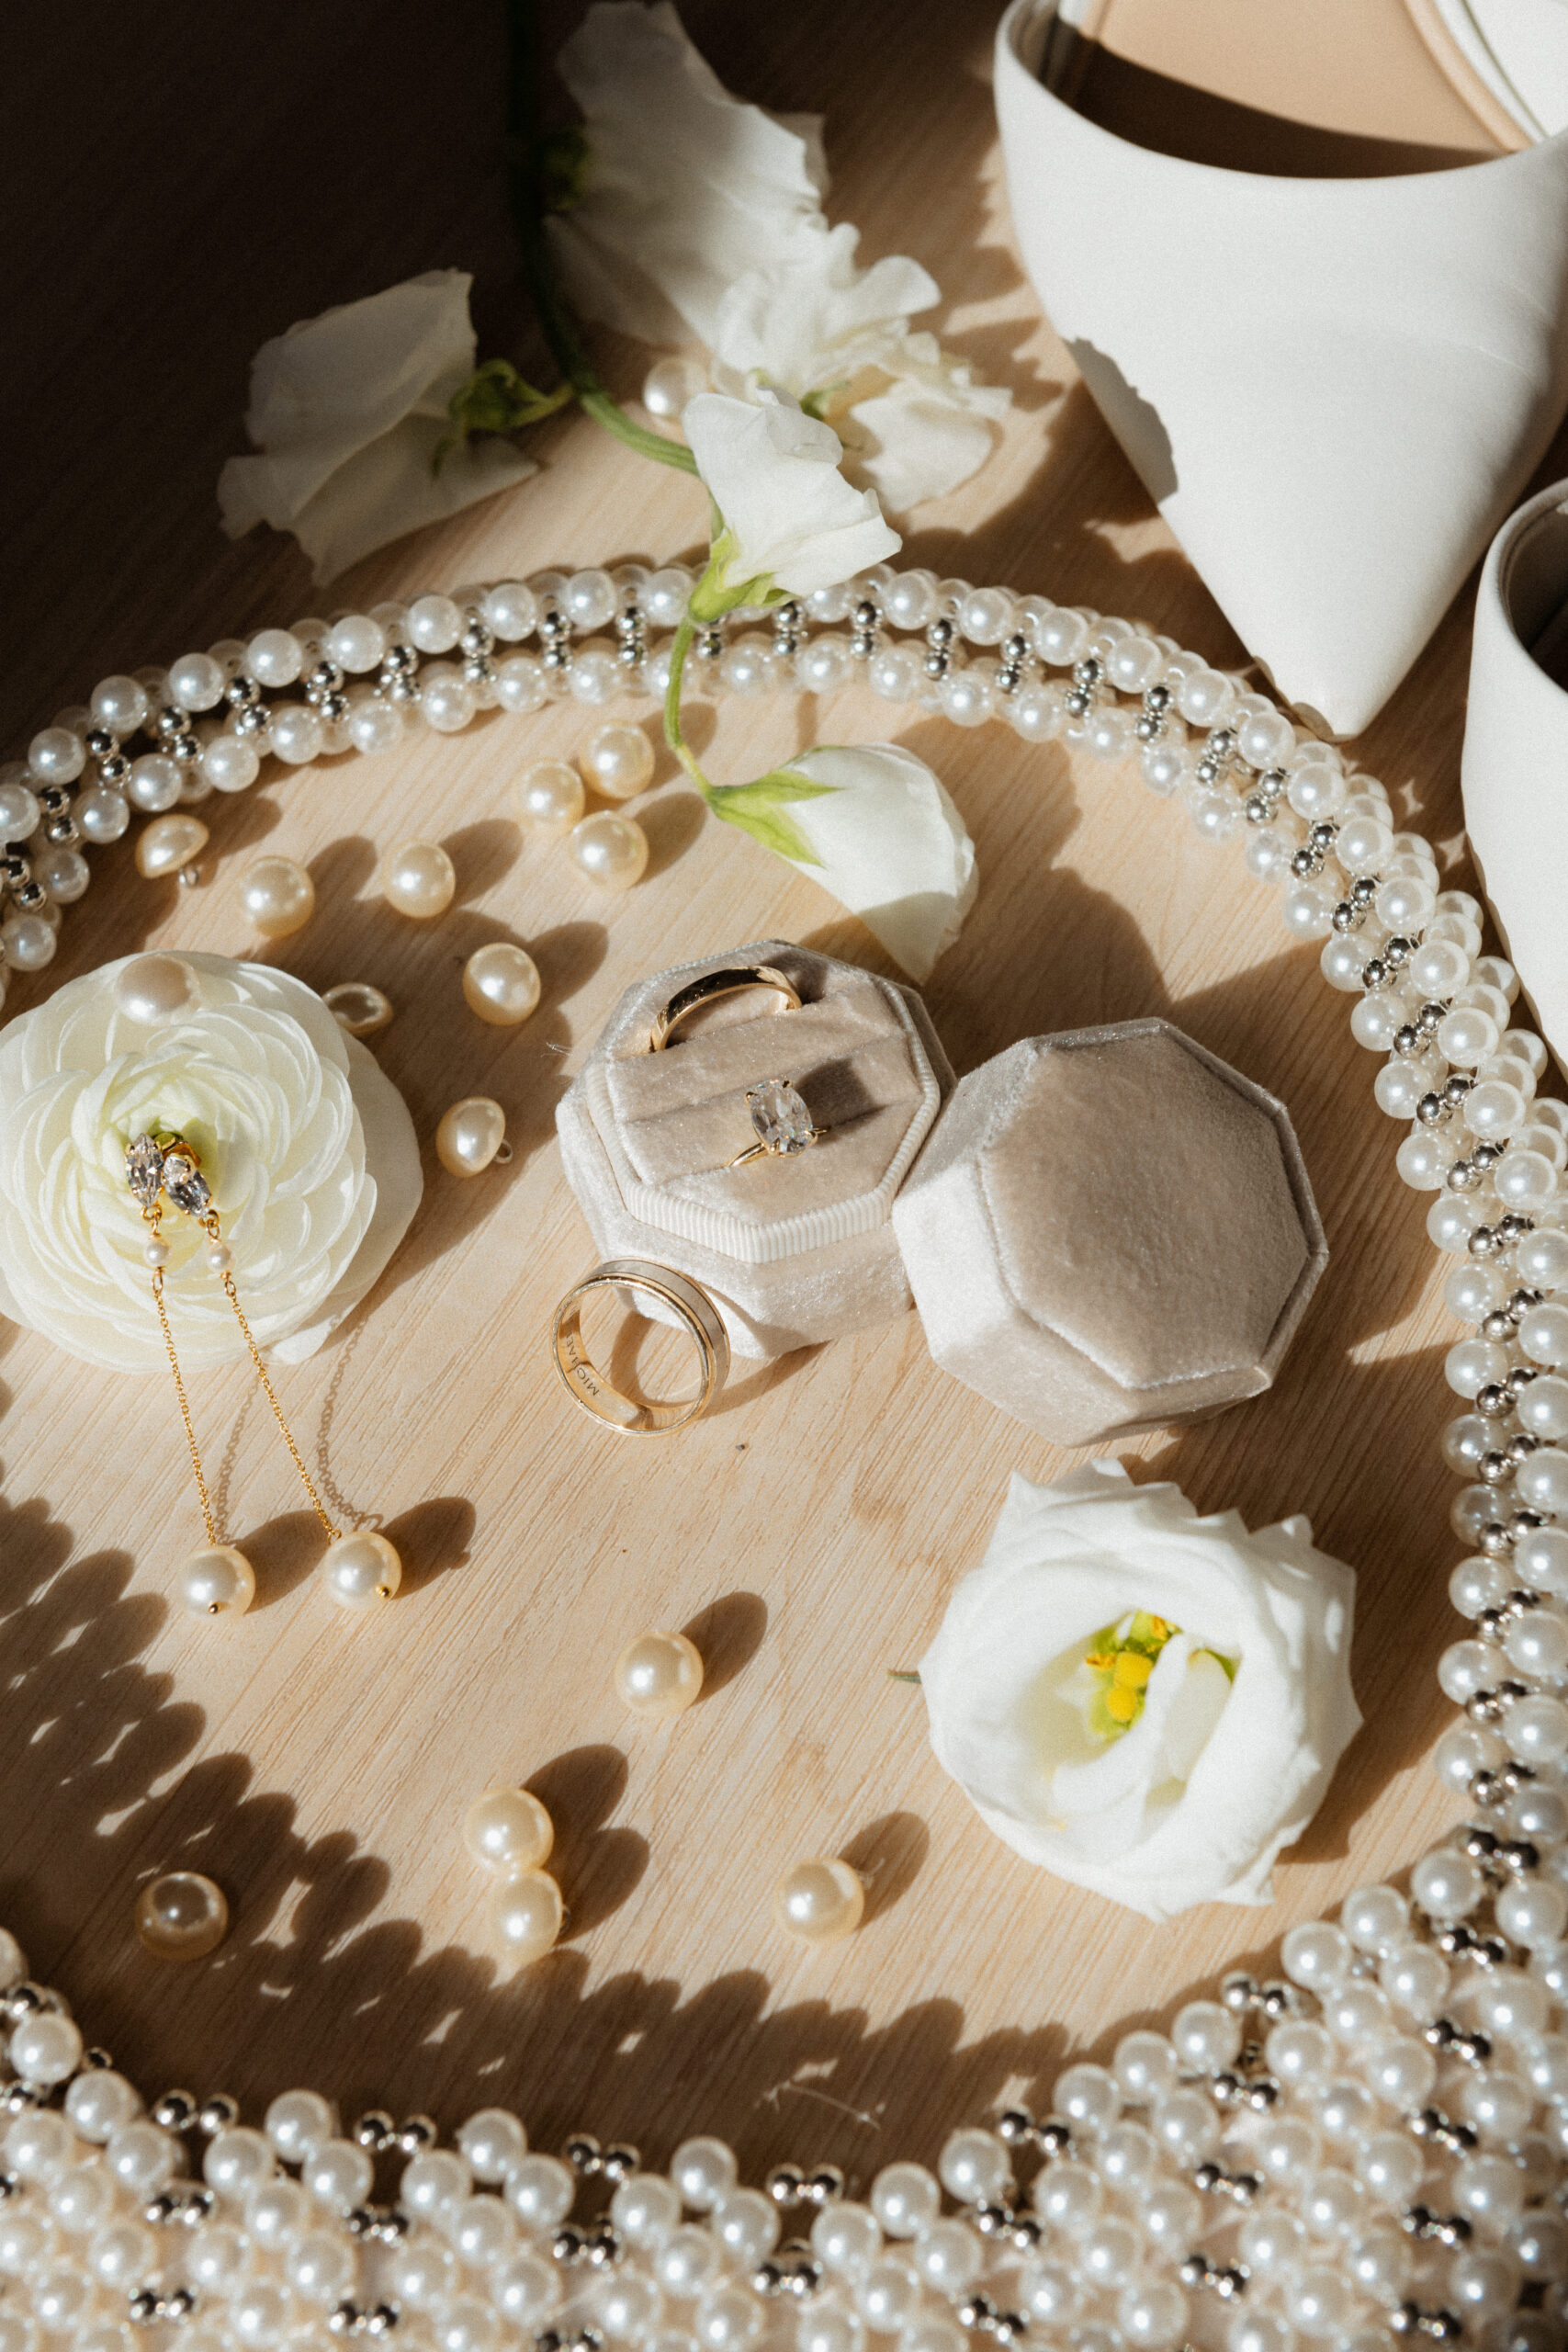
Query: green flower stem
[[673, 736], [528, 208]]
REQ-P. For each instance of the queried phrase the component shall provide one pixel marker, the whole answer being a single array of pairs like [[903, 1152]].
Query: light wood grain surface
[[178, 196]]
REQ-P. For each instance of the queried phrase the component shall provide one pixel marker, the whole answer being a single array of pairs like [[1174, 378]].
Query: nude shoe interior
[[1335, 89]]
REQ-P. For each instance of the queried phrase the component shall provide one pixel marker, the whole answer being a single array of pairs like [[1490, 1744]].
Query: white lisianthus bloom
[[702, 216], [791, 523], [307, 1146], [1147, 1703], [347, 410]]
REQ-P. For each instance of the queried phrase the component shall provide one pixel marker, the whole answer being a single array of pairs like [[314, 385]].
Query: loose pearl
[[360, 1570], [167, 844], [820, 1901], [182, 1915], [659, 1675], [470, 1135], [670, 383], [277, 895], [526, 1915], [549, 797], [358, 1008], [609, 850], [508, 1830], [618, 762], [502, 983], [418, 880], [217, 1582], [152, 987]]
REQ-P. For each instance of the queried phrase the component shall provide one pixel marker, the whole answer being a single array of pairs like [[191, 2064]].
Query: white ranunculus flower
[[791, 521], [702, 216], [1146, 1702], [308, 1148], [346, 411], [889, 843]]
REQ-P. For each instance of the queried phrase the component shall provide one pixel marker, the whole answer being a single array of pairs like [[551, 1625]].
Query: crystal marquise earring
[[359, 1569]]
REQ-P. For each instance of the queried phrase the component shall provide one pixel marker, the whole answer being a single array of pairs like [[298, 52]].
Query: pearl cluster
[[1372, 2150]]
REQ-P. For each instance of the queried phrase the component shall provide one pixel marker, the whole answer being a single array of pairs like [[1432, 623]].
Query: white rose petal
[[703, 215], [347, 410], [308, 1146], [893, 847], [773, 474], [1194, 1801]]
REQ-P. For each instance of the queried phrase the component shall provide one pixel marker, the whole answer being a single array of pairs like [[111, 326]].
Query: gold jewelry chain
[[306, 1480]]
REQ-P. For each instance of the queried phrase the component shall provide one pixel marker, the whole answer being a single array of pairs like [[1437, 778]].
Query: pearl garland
[[1370, 2149]]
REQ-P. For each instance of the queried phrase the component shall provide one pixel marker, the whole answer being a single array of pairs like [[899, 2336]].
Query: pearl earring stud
[[472, 1133]]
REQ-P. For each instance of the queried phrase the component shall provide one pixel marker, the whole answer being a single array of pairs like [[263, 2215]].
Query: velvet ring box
[[1105, 1230]]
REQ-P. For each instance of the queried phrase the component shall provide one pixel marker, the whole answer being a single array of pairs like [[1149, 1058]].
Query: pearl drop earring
[[508, 1831], [218, 1581]]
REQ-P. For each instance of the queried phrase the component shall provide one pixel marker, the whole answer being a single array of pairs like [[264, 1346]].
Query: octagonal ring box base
[[792, 1250], [1110, 1230]]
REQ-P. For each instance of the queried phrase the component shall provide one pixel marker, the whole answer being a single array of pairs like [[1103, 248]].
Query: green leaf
[[758, 808], [495, 398]]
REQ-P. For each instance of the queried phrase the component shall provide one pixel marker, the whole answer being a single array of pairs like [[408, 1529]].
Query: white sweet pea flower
[[347, 410], [874, 827], [791, 523], [1146, 1702], [306, 1145], [702, 216], [913, 421]]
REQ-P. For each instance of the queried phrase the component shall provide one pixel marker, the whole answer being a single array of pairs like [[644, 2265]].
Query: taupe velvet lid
[[792, 1250], [1109, 1230]]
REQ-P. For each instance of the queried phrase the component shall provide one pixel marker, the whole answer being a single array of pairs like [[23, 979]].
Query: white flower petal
[[346, 410], [774, 475], [893, 847], [308, 1149], [1194, 1802]]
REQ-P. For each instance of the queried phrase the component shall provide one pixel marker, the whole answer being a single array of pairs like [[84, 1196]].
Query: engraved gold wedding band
[[784, 1123], [727, 981], [638, 1416]]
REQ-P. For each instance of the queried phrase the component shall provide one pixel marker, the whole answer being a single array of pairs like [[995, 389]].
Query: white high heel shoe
[[1515, 771], [1333, 387]]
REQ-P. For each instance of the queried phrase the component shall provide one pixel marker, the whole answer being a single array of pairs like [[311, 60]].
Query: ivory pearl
[[549, 797], [418, 879], [152, 987], [502, 983], [609, 850], [360, 1570], [217, 1581], [470, 1135], [821, 1901], [168, 843], [155, 1253], [219, 1258], [526, 1915], [508, 1830], [618, 762], [358, 1007], [181, 1915], [277, 895], [659, 1675]]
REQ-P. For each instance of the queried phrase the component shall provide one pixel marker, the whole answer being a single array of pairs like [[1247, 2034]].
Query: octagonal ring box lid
[[1110, 1229], [792, 1249]]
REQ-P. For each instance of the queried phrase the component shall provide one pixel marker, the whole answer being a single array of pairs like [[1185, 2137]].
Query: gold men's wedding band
[[631, 1278], [727, 981]]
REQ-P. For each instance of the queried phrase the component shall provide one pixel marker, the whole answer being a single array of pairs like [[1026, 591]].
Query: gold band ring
[[637, 1416], [727, 981]]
